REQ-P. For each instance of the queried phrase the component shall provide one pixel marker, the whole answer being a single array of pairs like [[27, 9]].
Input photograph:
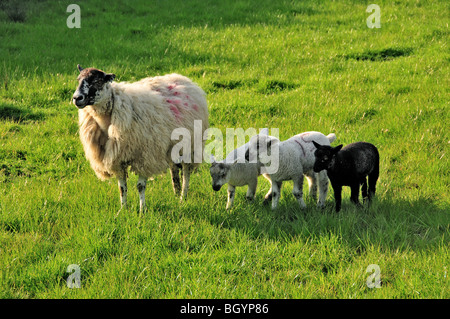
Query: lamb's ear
[[79, 68], [317, 145], [109, 77], [247, 155], [337, 148]]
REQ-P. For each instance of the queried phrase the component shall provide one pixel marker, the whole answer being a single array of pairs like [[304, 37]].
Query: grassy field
[[296, 66]]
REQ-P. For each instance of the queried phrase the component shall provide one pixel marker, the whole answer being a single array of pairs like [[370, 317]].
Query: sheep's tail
[[331, 137]]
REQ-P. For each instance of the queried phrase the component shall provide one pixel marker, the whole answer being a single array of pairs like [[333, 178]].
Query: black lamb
[[349, 166]]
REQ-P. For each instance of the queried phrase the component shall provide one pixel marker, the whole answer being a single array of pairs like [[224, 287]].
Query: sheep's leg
[[231, 192], [298, 191], [141, 185], [337, 196], [323, 188], [276, 190], [251, 189], [175, 173], [123, 189], [186, 175]]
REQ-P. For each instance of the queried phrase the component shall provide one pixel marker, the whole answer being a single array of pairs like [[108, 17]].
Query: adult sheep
[[129, 125]]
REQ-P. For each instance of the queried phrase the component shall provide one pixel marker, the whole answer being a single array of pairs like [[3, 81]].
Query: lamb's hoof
[[121, 209], [143, 210]]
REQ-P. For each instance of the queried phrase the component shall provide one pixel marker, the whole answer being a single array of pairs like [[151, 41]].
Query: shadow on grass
[[389, 224], [18, 115], [380, 55]]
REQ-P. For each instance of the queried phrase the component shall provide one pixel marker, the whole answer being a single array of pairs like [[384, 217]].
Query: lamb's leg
[[175, 173], [312, 181], [354, 195], [337, 196], [231, 192], [252, 189], [141, 185], [323, 188], [364, 189], [373, 177], [298, 191], [268, 196], [186, 175], [276, 190]]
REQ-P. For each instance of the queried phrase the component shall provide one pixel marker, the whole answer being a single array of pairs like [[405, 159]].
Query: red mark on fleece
[[303, 150], [174, 109], [195, 107], [303, 135], [171, 87], [176, 101], [175, 112]]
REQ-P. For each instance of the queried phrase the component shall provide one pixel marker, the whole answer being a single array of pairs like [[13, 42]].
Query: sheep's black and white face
[[220, 174], [324, 155], [91, 86]]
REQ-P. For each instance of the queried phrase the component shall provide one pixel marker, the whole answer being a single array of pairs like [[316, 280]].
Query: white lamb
[[235, 171], [130, 125], [296, 158]]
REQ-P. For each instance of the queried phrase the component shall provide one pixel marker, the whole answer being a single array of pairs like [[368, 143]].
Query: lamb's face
[[322, 161], [91, 88], [220, 173], [324, 156]]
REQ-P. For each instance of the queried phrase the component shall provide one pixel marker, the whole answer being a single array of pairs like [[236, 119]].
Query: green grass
[[296, 66]]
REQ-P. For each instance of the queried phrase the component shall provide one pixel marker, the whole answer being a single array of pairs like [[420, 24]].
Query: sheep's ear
[[317, 145], [79, 68], [247, 155], [337, 148], [109, 77]]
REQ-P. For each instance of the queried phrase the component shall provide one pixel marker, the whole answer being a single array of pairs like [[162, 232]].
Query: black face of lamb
[[324, 155], [90, 82]]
